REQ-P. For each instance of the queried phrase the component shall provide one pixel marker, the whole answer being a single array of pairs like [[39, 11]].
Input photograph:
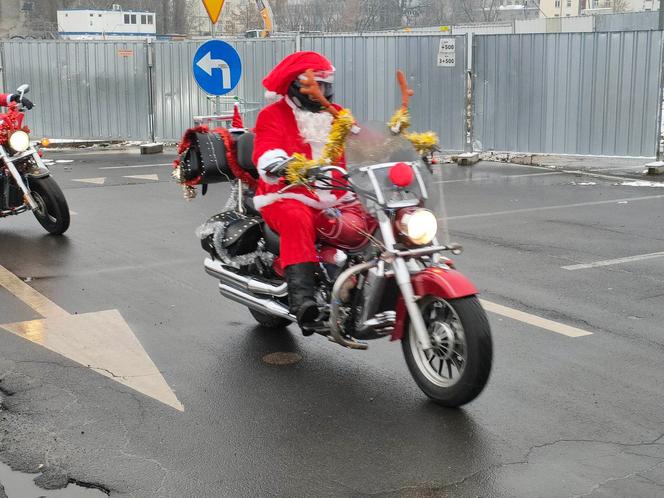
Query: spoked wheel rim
[[42, 209], [443, 365]]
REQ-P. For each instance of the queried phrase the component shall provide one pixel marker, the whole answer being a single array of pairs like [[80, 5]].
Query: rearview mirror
[[23, 89]]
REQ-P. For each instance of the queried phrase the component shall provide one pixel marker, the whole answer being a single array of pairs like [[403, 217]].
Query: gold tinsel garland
[[400, 121], [424, 143], [296, 172]]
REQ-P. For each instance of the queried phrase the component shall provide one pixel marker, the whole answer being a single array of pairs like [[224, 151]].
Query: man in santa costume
[[8, 98], [295, 123]]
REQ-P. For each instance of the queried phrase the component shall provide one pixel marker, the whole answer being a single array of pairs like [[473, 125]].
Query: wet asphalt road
[[561, 416]]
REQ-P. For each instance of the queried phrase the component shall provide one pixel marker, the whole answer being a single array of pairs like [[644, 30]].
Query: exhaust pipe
[[268, 306], [253, 285]]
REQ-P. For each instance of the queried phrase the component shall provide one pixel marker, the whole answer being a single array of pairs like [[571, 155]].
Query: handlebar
[[313, 173]]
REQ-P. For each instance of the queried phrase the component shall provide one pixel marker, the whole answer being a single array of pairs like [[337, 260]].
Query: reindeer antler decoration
[[334, 148], [311, 88], [425, 142], [406, 91]]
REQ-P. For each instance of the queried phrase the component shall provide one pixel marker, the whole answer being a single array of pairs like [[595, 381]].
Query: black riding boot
[[301, 289]]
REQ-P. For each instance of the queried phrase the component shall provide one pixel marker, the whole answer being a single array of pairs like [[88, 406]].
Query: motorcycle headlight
[[19, 141], [418, 225]]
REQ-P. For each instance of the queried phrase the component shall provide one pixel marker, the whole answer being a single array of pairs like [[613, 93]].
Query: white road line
[[507, 177], [137, 166], [574, 172], [94, 181], [38, 302], [543, 323], [154, 178], [617, 261], [561, 206]]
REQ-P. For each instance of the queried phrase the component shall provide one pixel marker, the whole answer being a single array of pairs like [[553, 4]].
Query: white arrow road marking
[[133, 166], [101, 341], [617, 261], [154, 178], [543, 323], [95, 181], [208, 64]]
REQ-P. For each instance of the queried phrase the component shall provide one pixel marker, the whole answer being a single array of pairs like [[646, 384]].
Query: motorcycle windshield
[[371, 156]]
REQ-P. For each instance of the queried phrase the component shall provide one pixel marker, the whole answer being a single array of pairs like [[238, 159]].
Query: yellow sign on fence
[[213, 8]]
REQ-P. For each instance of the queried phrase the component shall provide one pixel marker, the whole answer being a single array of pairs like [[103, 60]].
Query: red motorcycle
[[382, 271], [25, 181]]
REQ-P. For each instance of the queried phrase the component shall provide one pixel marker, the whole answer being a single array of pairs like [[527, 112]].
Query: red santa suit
[[282, 129]]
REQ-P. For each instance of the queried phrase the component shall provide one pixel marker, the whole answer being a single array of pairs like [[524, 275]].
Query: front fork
[[9, 163], [403, 279]]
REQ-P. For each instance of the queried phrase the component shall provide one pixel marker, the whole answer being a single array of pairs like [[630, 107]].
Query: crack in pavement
[[622, 478], [440, 487]]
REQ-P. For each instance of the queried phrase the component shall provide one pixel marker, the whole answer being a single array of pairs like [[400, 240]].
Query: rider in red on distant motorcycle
[[8, 98], [294, 124]]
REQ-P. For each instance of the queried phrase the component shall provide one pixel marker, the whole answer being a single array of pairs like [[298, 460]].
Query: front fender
[[39, 172], [440, 282]]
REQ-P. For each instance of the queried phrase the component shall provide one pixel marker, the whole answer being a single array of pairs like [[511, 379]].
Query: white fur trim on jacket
[[267, 159], [327, 199]]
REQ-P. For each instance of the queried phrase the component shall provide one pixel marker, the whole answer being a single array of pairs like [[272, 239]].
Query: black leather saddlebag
[[232, 234], [206, 158]]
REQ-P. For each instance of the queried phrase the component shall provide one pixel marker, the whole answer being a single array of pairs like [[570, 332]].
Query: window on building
[[92, 15], [569, 3], [133, 19], [150, 20], [144, 19], [127, 18], [557, 4]]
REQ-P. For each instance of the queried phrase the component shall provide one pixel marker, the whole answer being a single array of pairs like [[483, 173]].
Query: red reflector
[[401, 174], [40, 153]]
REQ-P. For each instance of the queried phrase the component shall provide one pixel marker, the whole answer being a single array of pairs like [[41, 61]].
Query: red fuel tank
[[345, 226]]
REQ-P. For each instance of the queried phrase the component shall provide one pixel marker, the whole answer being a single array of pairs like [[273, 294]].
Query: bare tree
[[619, 6]]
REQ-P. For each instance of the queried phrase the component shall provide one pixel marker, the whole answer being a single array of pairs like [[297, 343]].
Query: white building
[[115, 24]]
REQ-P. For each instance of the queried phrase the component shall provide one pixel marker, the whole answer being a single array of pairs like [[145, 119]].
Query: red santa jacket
[[278, 136], [4, 99]]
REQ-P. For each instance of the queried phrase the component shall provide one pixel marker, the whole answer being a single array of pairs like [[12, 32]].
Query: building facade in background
[[572, 8], [114, 24]]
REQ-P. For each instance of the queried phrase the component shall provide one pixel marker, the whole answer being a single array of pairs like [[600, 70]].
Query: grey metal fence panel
[[570, 93], [90, 90], [177, 97], [365, 82], [629, 21]]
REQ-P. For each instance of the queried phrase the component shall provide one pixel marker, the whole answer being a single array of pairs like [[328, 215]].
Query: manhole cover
[[281, 358]]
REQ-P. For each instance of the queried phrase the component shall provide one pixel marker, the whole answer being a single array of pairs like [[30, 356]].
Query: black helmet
[[304, 101]]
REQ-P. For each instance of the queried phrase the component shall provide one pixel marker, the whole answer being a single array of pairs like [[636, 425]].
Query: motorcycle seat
[[272, 240], [245, 151], [249, 205]]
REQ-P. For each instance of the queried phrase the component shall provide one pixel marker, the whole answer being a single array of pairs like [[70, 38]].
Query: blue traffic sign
[[217, 67]]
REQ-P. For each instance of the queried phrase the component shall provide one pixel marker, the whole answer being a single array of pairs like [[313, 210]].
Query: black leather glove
[[278, 168], [15, 97]]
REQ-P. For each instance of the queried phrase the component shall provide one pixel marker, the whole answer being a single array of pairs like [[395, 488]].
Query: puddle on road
[[20, 485]]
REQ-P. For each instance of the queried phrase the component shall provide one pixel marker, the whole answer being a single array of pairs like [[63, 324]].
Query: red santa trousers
[[295, 224]]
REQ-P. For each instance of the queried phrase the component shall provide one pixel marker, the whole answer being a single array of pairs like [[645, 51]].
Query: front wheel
[[456, 370], [52, 210]]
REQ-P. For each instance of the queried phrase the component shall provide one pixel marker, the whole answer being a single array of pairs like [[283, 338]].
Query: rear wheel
[[52, 210], [269, 321], [456, 370]]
